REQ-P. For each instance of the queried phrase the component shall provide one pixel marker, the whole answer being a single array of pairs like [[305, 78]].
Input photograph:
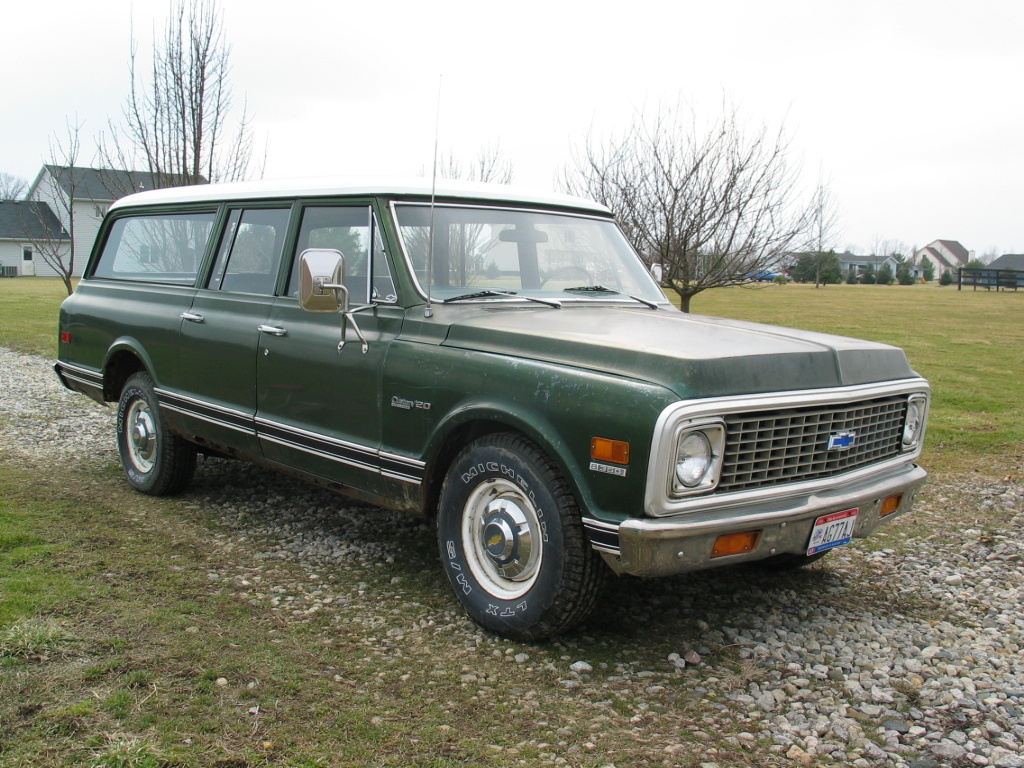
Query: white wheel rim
[[503, 539], [141, 437]]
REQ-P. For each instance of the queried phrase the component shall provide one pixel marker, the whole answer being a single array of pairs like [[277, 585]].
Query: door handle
[[192, 318], [273, 330]]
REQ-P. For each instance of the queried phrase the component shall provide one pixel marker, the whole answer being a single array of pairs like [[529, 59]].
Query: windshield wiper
[[602, 289], [512, 294]]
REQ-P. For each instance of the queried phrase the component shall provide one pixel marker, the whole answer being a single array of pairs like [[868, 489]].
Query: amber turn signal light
[[890, 505], [603, 449], [735, 543]]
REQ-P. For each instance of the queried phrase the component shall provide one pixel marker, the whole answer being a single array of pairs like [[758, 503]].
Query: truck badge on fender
[[408, 405]]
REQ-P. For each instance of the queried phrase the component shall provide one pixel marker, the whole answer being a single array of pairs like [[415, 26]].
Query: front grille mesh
[[789, 445]]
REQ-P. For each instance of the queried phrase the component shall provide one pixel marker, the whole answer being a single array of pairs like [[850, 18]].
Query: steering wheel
[[563, 273]]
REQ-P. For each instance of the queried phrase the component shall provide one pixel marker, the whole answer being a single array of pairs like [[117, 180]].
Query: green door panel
[[319, 407]]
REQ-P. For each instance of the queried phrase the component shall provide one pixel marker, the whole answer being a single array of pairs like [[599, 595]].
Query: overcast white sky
[[913, 109]]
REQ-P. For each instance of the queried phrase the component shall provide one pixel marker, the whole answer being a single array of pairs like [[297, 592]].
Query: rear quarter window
[[158, 248]]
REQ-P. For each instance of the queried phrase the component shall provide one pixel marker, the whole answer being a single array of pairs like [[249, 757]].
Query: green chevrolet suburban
[[501, 362]]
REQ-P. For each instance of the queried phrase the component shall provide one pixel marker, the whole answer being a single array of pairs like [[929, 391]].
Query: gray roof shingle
[[29, 220], [1009, 261], [107, 185], [956, 249]]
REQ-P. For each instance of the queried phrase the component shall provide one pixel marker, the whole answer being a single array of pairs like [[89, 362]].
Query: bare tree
[[489, 165], [822, 227], [712, 207], [54, 238], [176, 118], [881, 246], [12, 187]]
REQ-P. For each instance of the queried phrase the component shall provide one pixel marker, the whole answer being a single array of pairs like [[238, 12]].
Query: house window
[[100, 210], [26, 254]]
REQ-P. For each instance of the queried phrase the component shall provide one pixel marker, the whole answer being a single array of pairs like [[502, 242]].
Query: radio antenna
[[429, 311]]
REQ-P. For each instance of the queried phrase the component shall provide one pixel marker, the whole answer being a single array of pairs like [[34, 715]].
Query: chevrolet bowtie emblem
[[841, 441]]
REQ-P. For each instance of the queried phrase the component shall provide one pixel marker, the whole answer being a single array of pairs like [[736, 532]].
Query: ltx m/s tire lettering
[[512, 542]]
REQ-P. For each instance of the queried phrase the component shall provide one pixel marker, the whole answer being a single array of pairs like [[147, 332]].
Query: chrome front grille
[[792, 444]]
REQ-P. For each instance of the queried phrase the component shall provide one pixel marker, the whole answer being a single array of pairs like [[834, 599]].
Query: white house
[[944, 254], [860, 264], [22, 224]]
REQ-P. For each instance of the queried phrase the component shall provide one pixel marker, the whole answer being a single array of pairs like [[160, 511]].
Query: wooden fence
[[998, 279]]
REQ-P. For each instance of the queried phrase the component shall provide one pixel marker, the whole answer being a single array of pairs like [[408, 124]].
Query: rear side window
[[162, 248]]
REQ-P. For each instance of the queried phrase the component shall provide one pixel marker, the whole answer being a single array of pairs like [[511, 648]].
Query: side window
[[162, 248], [250, 251], [350, 230]]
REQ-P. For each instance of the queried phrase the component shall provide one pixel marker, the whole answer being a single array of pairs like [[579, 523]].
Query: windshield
[[527, 252]]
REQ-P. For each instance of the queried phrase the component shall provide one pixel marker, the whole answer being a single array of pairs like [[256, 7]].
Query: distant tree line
[[826, 268]]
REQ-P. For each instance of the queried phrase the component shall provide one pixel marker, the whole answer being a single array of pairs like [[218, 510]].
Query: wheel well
[[122, 365], [454, 442]]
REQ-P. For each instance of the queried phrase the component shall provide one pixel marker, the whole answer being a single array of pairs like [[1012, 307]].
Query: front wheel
[[512, 542], [155, 460]]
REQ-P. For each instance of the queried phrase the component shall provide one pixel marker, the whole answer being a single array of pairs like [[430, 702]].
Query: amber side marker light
[[735, 543], [891, 504], [603, 449]]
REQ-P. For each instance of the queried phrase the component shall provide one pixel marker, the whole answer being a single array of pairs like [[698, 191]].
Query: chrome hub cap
[[142, 439], [506, 538], [503, 535]]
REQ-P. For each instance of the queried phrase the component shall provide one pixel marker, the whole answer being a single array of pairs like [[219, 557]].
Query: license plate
[[832, 530]]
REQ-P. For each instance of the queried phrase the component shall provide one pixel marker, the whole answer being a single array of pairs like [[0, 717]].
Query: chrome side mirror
[[322, 281], [322, 288]]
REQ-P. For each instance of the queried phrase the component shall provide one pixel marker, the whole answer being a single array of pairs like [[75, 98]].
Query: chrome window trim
[[657, 503], [569, 214]]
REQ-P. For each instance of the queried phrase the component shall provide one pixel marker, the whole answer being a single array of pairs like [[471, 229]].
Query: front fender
[[433, 394]]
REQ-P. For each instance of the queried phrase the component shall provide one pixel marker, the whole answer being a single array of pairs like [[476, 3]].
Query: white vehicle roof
[[325, 187]]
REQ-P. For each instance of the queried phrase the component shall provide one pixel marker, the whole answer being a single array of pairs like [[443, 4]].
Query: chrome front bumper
[[684, 542]]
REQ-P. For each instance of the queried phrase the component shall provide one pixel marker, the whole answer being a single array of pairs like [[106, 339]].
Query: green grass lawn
[[28, 314]]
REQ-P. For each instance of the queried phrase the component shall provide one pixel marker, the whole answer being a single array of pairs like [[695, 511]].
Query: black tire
[[788, 561], [156, 461], [512, 542]]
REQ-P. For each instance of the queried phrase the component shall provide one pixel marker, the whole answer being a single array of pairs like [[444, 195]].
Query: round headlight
[[693, 459], [912, 427]]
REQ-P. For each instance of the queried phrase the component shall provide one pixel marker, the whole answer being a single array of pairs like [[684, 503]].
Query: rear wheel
[[512, 542], [155, 460]]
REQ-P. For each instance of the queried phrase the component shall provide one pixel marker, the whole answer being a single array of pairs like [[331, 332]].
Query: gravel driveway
[[909, 655]]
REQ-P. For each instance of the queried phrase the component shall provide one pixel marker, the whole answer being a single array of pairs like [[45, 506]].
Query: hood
[[693, 355]]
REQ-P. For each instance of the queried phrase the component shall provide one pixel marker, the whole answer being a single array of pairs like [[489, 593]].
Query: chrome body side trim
[[384, 463]]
